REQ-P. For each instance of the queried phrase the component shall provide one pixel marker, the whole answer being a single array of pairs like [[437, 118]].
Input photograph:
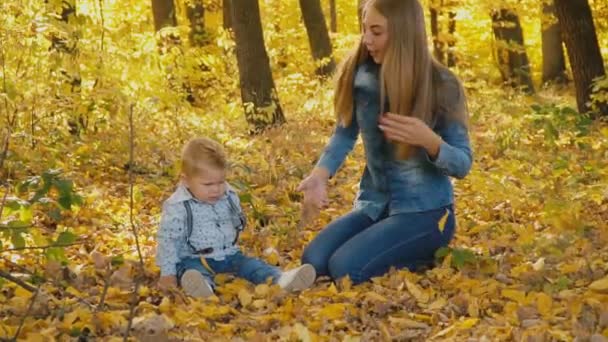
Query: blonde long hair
[[414, 83]]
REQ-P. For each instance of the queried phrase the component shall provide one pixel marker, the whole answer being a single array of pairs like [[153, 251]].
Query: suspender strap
[[189, 223]]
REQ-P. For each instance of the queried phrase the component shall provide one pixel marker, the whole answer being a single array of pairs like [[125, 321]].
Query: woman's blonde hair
[[412, 81], [199, 154]]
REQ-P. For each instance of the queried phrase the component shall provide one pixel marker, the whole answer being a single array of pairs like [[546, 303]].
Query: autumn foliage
[[95, 109]]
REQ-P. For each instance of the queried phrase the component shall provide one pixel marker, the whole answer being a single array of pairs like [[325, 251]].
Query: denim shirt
[[213, 226], [398, 186]]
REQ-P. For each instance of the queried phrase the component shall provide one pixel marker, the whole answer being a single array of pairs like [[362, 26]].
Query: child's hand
[[167, 282]]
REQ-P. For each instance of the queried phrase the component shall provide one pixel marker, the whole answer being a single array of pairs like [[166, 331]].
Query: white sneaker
[[195, 285], [297, 279]]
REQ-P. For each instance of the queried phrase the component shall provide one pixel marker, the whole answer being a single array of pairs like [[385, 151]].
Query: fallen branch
[[42, 247], [27, 313], [17, 281], [139, 277]]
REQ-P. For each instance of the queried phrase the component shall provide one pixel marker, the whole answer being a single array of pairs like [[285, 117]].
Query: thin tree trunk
[[512, 57], [452, 39], [333, 20], [258, 93], [360, 12], [196, 15], [554, 64], [227, 14], [579, 34], [67, 49], [318, 37], [438, 51], [164, 14]]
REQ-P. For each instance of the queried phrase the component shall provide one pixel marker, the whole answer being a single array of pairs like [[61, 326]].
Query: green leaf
[[460, 257], [15, 224], [65, 201], [245, 197], [442, 252], [117, 260], [26, 214], [56, 253], [65, 238], [17, 239], [55, 214]]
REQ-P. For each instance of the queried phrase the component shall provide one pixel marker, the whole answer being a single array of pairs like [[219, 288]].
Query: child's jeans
[[354, 245], [251, 269]]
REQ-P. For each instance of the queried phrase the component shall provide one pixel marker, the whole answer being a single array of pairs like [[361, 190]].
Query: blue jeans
[[252, 269], [354, 245]]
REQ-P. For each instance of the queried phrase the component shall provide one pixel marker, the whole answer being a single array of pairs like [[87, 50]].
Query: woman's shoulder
[[449, 94]]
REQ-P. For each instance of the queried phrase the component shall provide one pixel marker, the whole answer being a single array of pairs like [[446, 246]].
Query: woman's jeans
[[252, 269], [356, 246]]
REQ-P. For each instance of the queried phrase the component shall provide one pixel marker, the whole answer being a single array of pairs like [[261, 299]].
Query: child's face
[[208, 186]]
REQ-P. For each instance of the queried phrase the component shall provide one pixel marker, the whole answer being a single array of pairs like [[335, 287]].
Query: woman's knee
[[341, 265], [316, 259]]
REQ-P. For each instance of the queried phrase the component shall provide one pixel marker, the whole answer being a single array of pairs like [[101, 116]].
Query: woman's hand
[[410, 130], [315, 188], [167, 282]]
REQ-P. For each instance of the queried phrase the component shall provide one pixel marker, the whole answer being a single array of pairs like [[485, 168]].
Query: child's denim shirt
[[213, 227], [401, 186]]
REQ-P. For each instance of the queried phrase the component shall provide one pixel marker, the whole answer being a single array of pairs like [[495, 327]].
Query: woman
[[411, 114]]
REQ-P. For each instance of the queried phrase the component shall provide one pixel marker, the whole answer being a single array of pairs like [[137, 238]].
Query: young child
[[200, 225]]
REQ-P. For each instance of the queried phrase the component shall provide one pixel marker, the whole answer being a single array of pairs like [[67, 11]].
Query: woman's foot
[[195, 285], [297, 279]]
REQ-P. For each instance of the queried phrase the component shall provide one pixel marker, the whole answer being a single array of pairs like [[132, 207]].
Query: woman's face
[[375, 33]]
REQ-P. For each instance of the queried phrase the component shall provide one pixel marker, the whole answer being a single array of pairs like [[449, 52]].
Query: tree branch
[[27, 313], [41, 247], [17, 281]]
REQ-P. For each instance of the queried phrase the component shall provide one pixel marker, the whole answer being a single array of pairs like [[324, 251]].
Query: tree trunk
[[258, 93], [512, 56], [196, 15], [360, 12], [227, 14], [452, 39], [65, 46], [554, 65], [438, 51], [584, 54], [164, 14], [333, 20], [318, 37]]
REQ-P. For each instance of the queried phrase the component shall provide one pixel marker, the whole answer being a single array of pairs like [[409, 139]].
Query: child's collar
[[182, 194]]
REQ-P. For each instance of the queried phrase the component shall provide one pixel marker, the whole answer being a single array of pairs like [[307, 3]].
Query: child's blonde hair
[[201, 153]]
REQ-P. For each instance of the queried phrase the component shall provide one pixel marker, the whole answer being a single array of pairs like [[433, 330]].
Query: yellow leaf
[[22, 293], [417, 292], [333, 311], [443, 220], [374, 296], [600, 285], [262, 290], [245, 297], [406, 323], [468, 323], [518, 296], [165, 305], [438, 304], [544, 304], [302, 332]]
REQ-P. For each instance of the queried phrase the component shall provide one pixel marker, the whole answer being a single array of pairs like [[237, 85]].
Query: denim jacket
[[213, 227], [398, 186]]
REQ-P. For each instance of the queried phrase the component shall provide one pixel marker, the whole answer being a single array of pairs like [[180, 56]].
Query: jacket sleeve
[[455, 156], [171, 235], [339, 146]]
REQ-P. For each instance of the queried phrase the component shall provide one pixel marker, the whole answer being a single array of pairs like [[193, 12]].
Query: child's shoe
[[195, 285], [297, 279]]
